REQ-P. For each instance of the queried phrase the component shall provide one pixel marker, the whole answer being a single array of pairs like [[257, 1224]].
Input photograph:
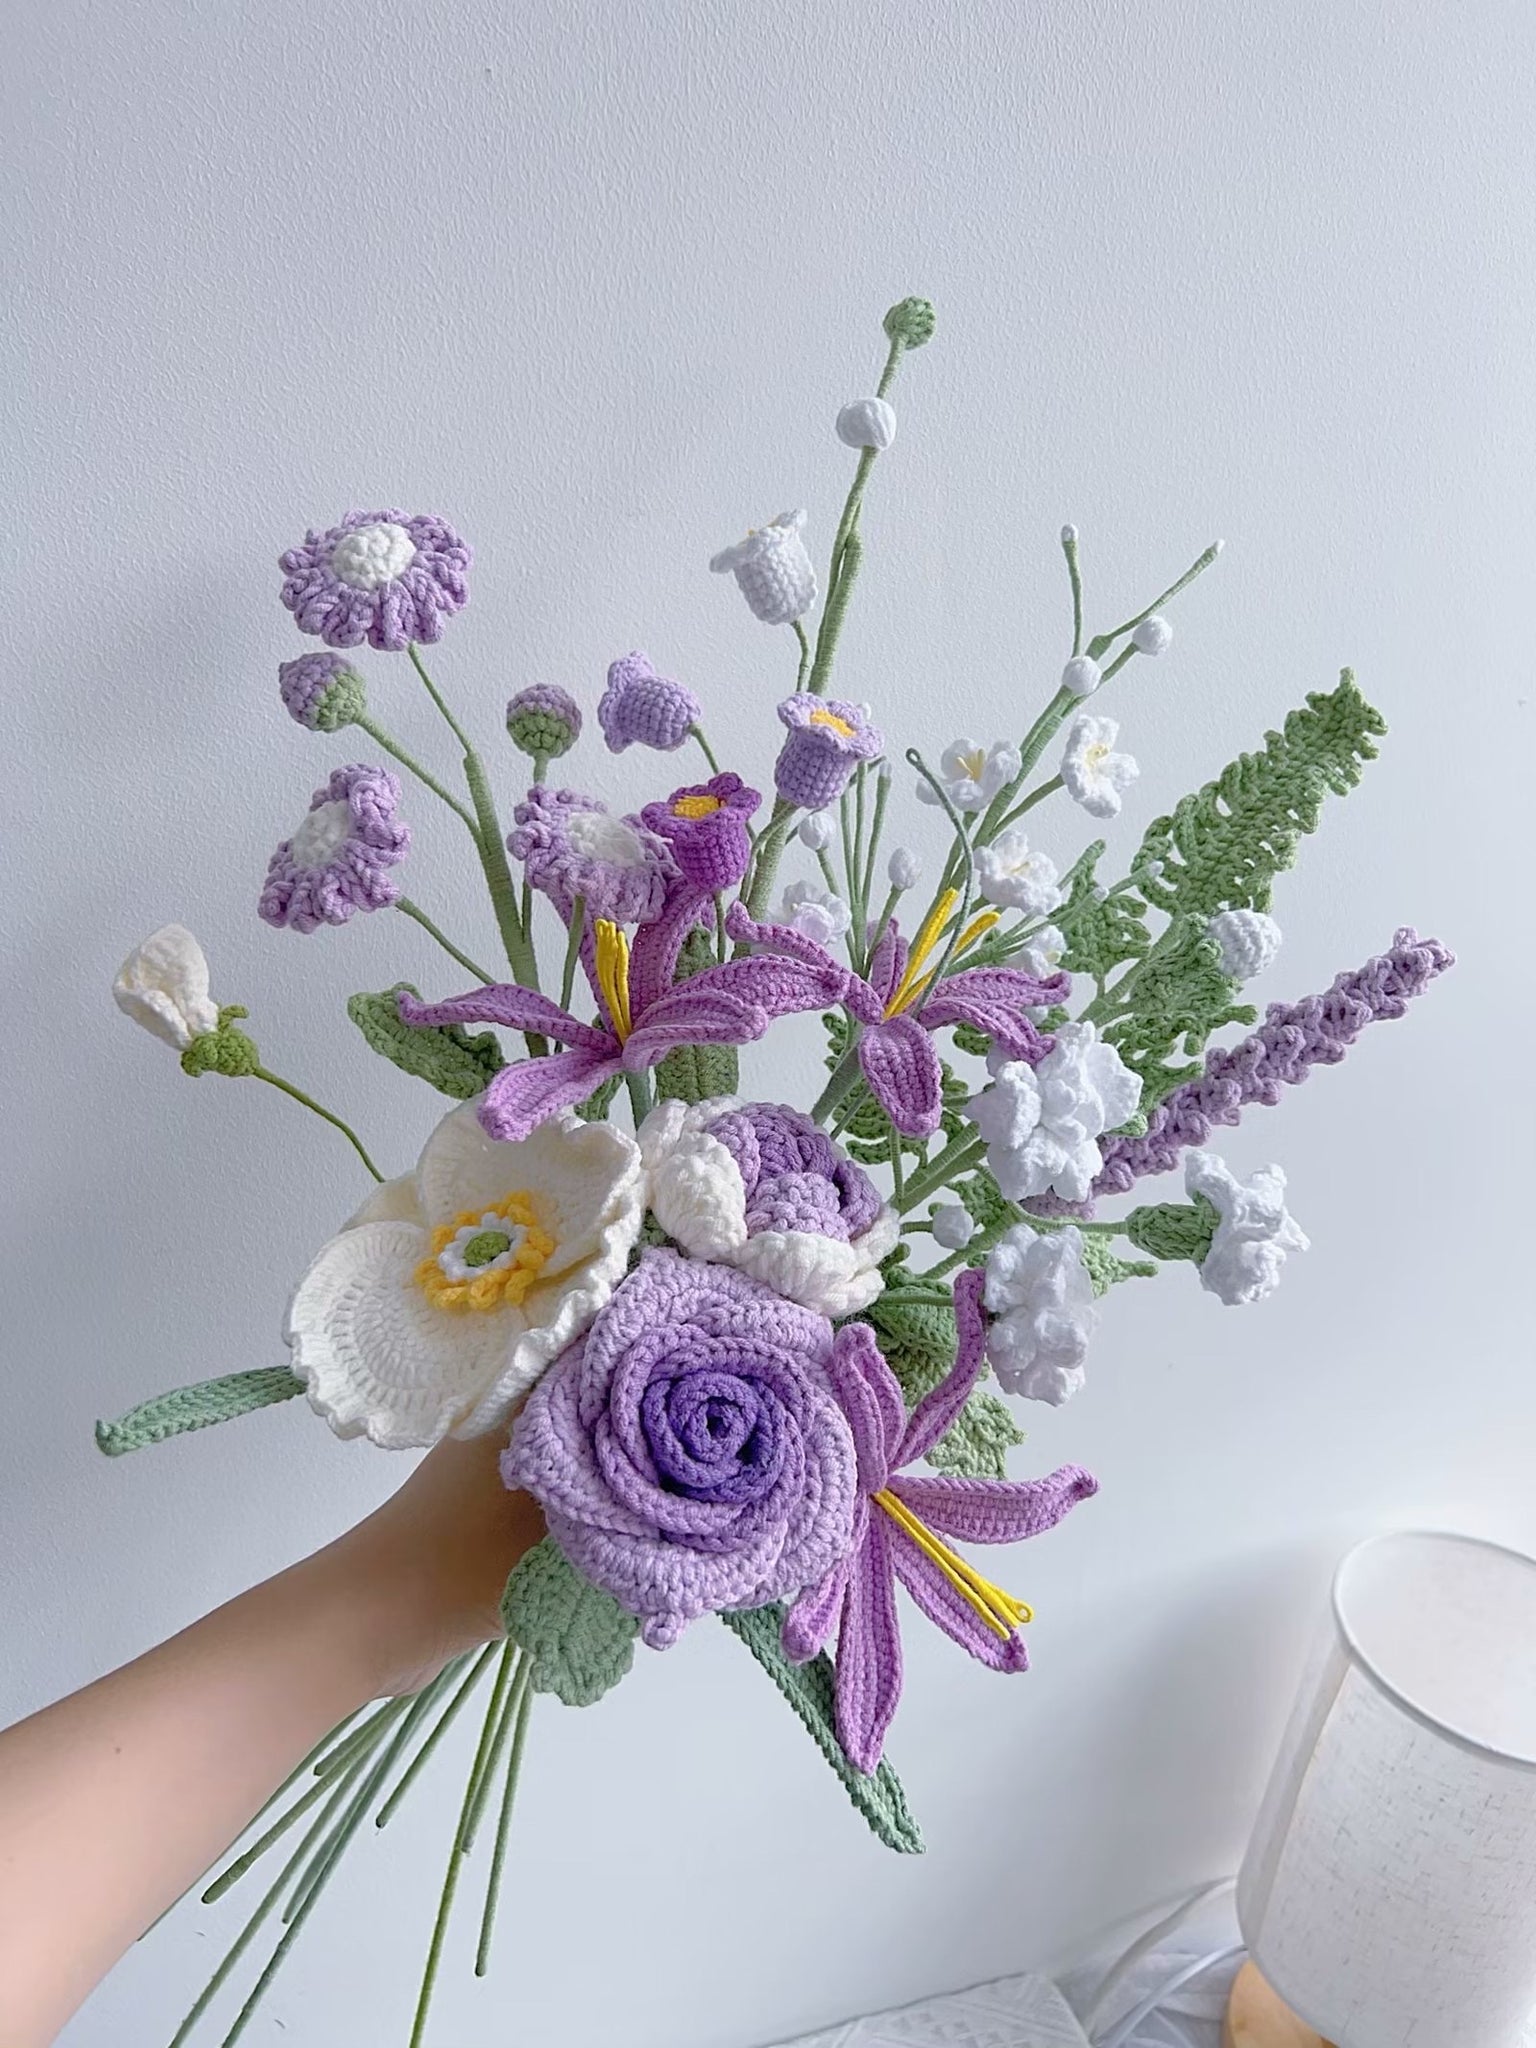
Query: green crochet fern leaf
[[1102, 931], [1176, 998]]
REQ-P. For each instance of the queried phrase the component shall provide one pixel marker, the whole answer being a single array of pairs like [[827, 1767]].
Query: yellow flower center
[[612, 964], [913, 984], [1096, 755], [999, 1610], [840, 726], [696, 806], [974, 763], [486, 1258]]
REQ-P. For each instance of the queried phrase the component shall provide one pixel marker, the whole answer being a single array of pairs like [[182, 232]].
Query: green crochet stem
[[381, 738], [844, 1075], [276, 1081], [573, 951], [400, 1716], [961, 860], [958, 1157], [197, 1407], [503, 1826], [511, 1683], [705, 748], [805, 657], [867, 881], [1100, 645], [424, 1755], [438, 699], [1075, 576], [414, 910]]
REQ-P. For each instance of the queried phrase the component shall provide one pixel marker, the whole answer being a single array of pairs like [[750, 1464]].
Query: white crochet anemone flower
[[451, 1289], [1254, 1233], [697, 1195]]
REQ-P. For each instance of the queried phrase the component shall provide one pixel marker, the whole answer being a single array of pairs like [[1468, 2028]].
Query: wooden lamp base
[[1258, 2017]]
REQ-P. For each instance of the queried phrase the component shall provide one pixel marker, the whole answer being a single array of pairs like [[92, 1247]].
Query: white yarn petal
[[163, 985], [697, 1196], [392, 1201], [821, 1273]]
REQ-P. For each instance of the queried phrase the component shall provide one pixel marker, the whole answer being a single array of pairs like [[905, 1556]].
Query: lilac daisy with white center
[[571, 845], [338, 860], [384, 577]]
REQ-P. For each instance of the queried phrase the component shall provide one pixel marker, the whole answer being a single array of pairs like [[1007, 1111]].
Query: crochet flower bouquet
[[722, 1345]]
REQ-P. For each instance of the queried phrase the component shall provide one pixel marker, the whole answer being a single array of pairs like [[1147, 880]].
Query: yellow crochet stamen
[[922, 946], [490, 1289], [999, 1610], [967, 939], [838, 725], [695, 806], [613, 974]]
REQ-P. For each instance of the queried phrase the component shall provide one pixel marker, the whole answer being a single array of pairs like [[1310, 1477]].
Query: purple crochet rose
[[827, 740], [686, 1451], [544, 721], [572, 845], [383, 577], [338, 861], [705, 825], [641, 708], [322, 692]]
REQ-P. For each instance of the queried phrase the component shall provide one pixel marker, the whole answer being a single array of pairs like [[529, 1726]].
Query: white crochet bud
[[903, 868], [163, 985], [953, 1227], [815, 830], [867, 423], [1247, 940], [1081, 676], [773, 570], [1069, 536], [1154, 635]]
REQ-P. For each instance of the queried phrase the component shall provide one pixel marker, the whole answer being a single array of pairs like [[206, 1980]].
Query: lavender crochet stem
[[1294, 1038]]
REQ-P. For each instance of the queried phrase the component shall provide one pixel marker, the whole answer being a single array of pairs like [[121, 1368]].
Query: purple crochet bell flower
[[641, 708], [338, 861], [571, 845], [827, 740], [383, 577], [705, 825], [686, 1451], [321, 692]]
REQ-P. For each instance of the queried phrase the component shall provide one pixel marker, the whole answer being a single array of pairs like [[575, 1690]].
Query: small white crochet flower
[[1042, 1124], [1256, 1230], [1247, 941], [1081, 676], [1154, 635], [696, 1192], [452, 1288], [774, 571], [1095, 775], [815, 830], [1014, 878], [815, 913], [953, 1227], [973, 775], [1039, 1290], [163, 985], [1042, 956], [867, 423], [903, 868]]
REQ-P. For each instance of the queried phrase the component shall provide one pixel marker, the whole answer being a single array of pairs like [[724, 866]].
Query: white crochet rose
[[1042, 1124], [697, 1195], [163, 985], [452, 1288], [1039, 1290], [1255, 1233]]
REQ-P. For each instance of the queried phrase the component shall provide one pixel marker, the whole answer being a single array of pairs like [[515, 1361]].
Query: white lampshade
[[1389, 1892]]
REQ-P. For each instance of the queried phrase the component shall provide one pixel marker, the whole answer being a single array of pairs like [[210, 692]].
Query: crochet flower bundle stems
[[717, 1336]]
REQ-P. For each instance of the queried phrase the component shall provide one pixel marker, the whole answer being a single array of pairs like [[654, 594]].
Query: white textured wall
[[592, 281]]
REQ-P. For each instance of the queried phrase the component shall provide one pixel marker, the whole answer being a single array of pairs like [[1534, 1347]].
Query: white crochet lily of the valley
[[163, 985], [972, 775], [1094, 774], [817, 914], [697, 1195], [1042, 1124], [772, 569], [1039, 1291], [452, 1288], [1016, 876], [1255, 1231]]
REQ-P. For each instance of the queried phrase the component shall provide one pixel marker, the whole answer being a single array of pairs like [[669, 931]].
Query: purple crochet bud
[[322, 691], [572, 845], [383, 577], [705, 825], [686, 1451], [338, 861], [544, 721], [827, 740], [641, 708]]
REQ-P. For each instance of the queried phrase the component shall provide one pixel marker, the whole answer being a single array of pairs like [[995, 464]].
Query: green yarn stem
[[1036, 796], [503, 1828], [196, 1407], [721, 943], [405, 1709], [228, 1879], [363, 1737], [639, 1097], [837, 609], [805, 657], [414, 910], [960, 855], [498, 875], [770, 850], [1074, 572], [573, 951], [887, 912], [697, 732], [957, 1157], [866, 890], [276, 1081], [844, 1075], [521, 1669], [1102, 642], [850, 843], [382, 739], [437, 698], [423, 1756], [897, 1171]]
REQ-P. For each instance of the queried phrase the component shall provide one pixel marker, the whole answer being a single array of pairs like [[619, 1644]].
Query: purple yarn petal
[[868, 1651], [938, 1408], [528, 1093], [810, 1621], [864, 1386], [515, 1009], [900, 1064], [947, 1610], [995, 1510]]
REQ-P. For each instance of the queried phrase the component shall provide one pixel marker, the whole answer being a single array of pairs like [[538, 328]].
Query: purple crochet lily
[[898, 1524], [899, 1009], [643, 1015]]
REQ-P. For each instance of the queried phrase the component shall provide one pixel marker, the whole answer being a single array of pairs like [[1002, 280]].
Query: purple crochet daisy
[[827, 740], [641, 708], [572, 845], [686, 1451], [383, 577], [339, 859], [706, 827], [321, 691]]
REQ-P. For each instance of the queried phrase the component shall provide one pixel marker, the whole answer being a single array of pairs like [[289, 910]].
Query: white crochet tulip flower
[[1095, 776], [1042, 1124], [775, 574], [452, 1288], [972, 775], [1039, 1290], [696, 1193], [163, 985], [1255, 1233]]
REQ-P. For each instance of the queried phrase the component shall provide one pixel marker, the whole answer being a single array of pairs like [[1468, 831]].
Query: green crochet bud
[[1173, 1230], [322, 692], [223, 1051], [544, 722], [911, 322]]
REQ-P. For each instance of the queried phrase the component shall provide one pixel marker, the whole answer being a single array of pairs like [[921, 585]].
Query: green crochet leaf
[[580, 1639], [595, 1108], [918, 1341], [1173, 1230], [809, 1689], [1173, 1001], [977, 1442], [694, 1072], [199, 1407], [1223, 846], [1105, 1267], [1101, 935], [457, 1062]]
